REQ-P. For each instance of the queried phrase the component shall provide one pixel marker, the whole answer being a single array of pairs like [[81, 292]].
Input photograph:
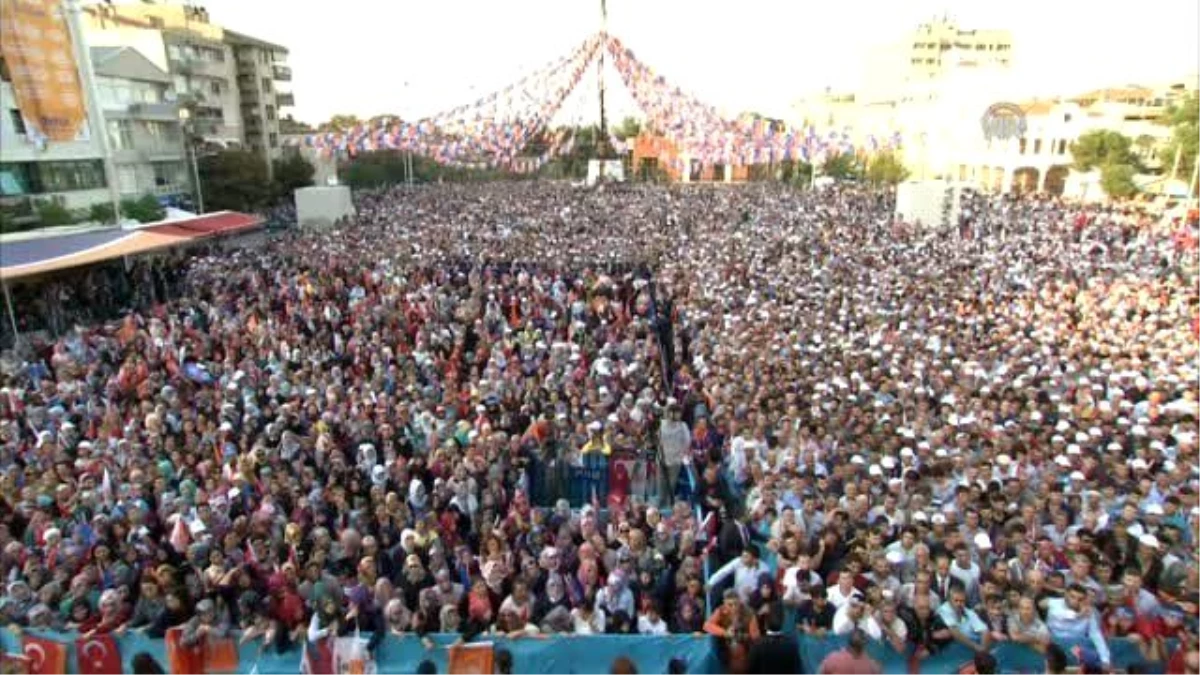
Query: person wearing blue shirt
[[964, 624], [1071, 619]]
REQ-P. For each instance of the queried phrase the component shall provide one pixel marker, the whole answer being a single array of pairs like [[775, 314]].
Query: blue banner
[[591, 654]]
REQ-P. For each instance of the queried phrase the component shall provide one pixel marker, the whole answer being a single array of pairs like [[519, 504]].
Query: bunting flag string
[[494, 130]]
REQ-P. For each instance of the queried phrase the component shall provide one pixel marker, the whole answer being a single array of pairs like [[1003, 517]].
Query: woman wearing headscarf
[[555, 596]]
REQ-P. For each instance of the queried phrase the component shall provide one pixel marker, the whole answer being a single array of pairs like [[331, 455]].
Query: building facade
[[232, 86], [30, 171], [263, 78], [142, 121]]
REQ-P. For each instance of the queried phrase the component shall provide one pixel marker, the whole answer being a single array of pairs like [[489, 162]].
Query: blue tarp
[[41, 249], [592, 654]]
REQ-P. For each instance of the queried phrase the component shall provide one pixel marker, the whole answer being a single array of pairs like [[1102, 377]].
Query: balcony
[[284, 99], [247, 67], [281, 73], [187, 65], [250, 97], [154, 111], [253, 123]]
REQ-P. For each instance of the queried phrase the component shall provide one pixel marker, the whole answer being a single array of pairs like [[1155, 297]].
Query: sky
[[368, 57]]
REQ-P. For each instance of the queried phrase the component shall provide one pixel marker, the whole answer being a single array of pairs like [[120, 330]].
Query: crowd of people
[[972, 434]]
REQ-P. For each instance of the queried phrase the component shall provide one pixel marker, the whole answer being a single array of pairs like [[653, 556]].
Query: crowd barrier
[[591, 654]]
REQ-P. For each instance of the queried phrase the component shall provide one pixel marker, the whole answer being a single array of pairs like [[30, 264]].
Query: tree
[[1184, 120], [292, 172], [629, 127], [236, 180], [144, 209], [840, 166], [1117, 180], [290, 126], [1102, 147], [340, 123], [886, 169]]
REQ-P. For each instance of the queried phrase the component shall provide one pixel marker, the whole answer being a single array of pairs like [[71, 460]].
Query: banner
[[99, 655], [36, 45], [350, 656], [220, 655], [477, 659], [181, 659], [45, 656]]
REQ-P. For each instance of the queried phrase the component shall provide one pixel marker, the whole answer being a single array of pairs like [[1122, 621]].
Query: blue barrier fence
[[592, 654]]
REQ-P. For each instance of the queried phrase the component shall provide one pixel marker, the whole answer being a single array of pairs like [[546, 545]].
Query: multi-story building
[[940, 45], [262, 77], [142, 122], [226, 81]]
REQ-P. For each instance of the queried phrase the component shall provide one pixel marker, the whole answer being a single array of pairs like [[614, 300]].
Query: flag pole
[[12, 315]]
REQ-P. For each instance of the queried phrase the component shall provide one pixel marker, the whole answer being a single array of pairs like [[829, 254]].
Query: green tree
[[102, 212], [1117, 180], [840, 166], [292, 172], [53, 212], [235, 180], [1102, 147], [144, 209], [1184, 120], [886, 168], [340, 123], [290, 126], [629, 127]]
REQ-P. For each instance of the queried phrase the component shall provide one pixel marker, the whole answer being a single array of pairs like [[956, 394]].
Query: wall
[[147, 41]]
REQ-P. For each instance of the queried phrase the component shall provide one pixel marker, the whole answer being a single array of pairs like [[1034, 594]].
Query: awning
[[19, 259]]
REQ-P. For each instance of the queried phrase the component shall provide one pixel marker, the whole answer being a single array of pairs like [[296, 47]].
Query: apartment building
[[231, 85], [142, 121], [262, 81]]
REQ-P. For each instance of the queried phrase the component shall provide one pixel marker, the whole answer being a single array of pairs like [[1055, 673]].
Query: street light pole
[[189, 149]]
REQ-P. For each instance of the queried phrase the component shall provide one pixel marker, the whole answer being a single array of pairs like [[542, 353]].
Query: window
[[266, 85], [4, 75], [120, 134], [270, 112], [215, 87], [1037, 146], [1066, 117], [22, 178], [18, 122], [173, 52], [167, 173], [274, 140], [1021, 145]]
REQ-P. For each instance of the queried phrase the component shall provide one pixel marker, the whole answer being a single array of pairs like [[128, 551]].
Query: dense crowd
[[973, 434]]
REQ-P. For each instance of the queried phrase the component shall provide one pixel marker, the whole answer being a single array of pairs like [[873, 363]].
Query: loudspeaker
[[775, 654]]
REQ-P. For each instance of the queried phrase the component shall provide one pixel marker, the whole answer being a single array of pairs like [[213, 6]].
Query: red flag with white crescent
[[98, 655], [45, 656]]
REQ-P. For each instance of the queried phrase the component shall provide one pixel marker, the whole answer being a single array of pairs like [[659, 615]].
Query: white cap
[[1139, 464], [1148, 540], [857, 459], [920, 515], [906, 452], [1003, 460], [939, 519], [1062, 461], [1073, 449], [983, 541], [895, 557], [1154, 510], [875, 470], [888, 462], [1077, 476]]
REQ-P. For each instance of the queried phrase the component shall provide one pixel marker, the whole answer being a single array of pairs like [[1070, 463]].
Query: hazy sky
[[355, 56]]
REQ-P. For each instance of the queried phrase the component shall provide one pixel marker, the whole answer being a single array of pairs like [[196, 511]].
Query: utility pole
[[602, 149]]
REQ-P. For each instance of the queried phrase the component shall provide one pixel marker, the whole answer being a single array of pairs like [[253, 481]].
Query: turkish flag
[[98, 655], [45, 656], [469, 659], [181, 659]]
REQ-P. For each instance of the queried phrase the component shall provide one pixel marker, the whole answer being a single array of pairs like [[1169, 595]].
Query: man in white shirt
[[797, 581], [746, 570], [675, 439], [650, 623], [853, 615], [966, 571]]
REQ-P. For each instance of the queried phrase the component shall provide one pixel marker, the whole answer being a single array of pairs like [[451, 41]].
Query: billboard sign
[[1002, 121], [36, 44]]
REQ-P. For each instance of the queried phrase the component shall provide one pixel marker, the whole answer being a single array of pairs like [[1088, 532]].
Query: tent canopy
[[20, 259]]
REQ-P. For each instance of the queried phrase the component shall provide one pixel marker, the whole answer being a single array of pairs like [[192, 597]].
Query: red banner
[[98, 655], [182, 659], [45, 656], [476, 659]]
